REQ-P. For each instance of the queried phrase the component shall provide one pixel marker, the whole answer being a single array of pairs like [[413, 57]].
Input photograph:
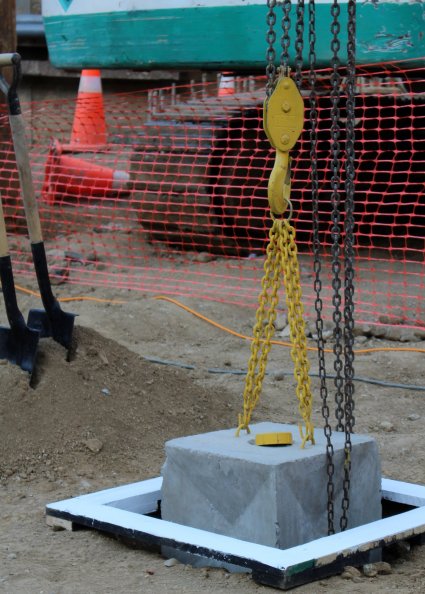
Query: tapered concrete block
[[275, 496]]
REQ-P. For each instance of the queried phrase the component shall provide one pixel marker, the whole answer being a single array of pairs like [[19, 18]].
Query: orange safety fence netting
[[175, 201]]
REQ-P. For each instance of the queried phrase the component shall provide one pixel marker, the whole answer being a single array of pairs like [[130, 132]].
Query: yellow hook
[[279, 188]]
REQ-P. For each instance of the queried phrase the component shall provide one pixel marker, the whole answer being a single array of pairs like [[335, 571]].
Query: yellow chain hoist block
[[284, 115], [283, 121]]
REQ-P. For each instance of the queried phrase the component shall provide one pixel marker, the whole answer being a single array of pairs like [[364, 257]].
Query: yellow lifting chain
[[283, 124]]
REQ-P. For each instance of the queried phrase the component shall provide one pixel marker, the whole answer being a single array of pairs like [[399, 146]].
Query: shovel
[[51, 321], [18, 344]]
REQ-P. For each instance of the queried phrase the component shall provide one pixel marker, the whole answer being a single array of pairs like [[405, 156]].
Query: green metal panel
[[226, 37]]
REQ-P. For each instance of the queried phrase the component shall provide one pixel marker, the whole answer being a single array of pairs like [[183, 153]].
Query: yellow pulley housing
[[283, 122]]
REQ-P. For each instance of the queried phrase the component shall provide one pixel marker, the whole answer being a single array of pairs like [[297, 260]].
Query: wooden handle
[[4, 250], [25, 178], [6, 59]]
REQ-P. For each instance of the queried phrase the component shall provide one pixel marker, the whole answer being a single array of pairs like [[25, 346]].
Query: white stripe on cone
[[227, 85]]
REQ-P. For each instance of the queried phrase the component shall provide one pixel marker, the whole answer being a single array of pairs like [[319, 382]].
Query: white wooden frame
[[122, 511]]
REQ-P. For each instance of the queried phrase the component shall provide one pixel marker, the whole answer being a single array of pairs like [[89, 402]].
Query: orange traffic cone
[[89, 127], [226, 85], [71, 176]]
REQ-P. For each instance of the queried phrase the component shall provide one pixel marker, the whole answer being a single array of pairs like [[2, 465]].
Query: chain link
[[281, 261], [291, 279], [343, 332], [336, 217], [271, 53], [299, 43], [285, 40], [317, 265], [349, 260]]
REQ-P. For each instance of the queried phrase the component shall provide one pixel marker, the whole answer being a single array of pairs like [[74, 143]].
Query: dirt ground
[[101, 420]]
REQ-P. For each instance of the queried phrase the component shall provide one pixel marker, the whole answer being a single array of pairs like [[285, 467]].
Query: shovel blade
[[58, 324], [19, 347]]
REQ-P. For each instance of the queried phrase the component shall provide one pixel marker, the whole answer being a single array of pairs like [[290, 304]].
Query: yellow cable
[[87, 298], [66, 299], [27, 291], [220, 326], [280, 342]]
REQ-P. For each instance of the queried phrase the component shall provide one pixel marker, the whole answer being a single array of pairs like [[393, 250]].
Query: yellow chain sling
[[283, 123]]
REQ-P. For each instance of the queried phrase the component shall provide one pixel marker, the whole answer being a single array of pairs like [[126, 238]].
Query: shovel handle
[[20, 145], [25, 177], [11, 90], [4, 249], [14, 315], [7, 59]]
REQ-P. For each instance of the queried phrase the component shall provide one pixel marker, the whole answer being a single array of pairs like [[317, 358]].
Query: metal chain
[[271, 53], [336, 217], [343, 335], [318, 266], [285, 40], [299, 43], [349, 260]]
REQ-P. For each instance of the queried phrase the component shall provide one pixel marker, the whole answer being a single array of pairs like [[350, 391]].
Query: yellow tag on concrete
[[273, 439]]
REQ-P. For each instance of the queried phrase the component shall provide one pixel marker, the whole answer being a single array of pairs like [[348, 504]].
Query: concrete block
[[275, 496]]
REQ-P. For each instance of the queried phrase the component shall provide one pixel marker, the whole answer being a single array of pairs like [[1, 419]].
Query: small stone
[[414, 417], [94, 445], [12, 556], [171, 562], [394, 319], [386, 426], [105, 391], [54, 254], [381, 332], [278, 376], [286, 332], [419, 333], [362, 330], [204, 257], [281, 321], [361, 339], [59, 274], [369, 570], [350, 573], [383, 568], [400, 334], [103, 358]]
